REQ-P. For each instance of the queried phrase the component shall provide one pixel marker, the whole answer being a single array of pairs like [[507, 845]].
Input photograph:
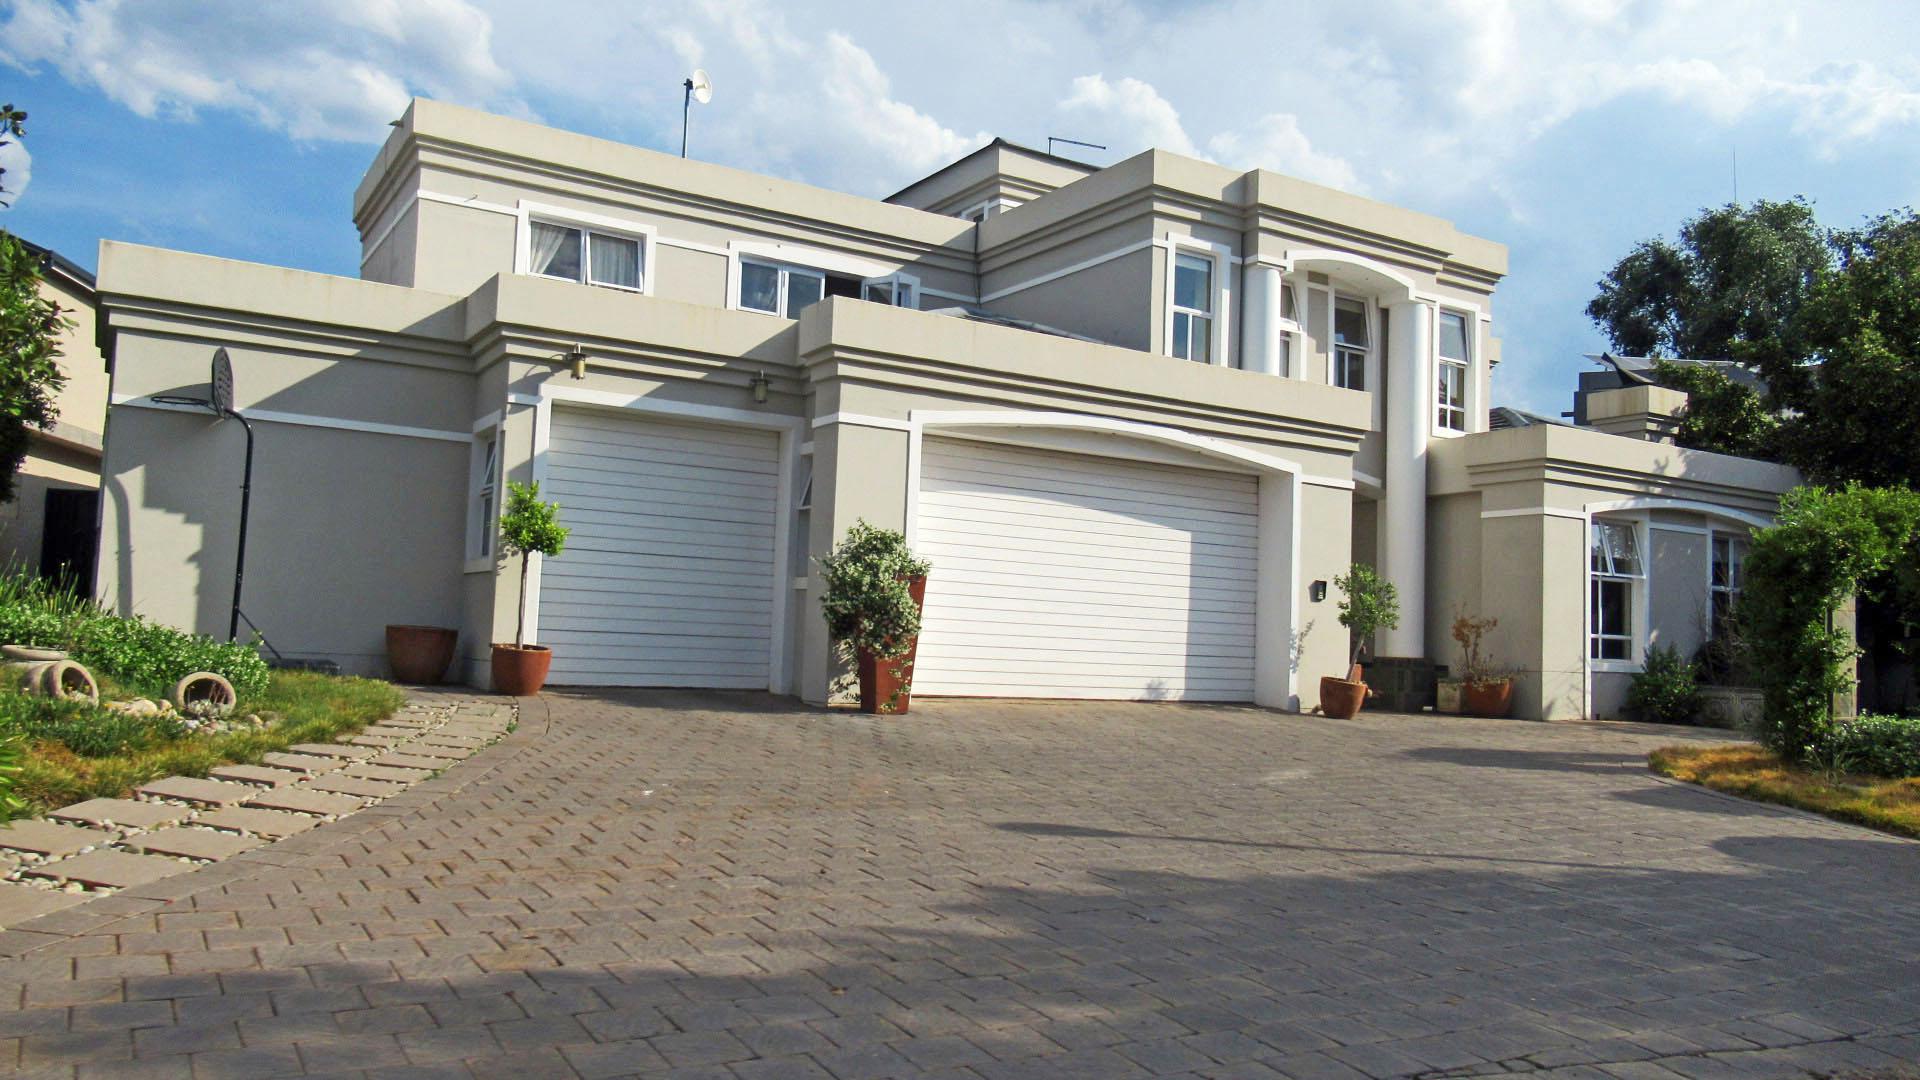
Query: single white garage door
[[667, 578], [1070, 576]]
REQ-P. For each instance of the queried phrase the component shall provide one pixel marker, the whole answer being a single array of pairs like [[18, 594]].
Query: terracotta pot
[[420, 654], [886, 683], [520, 671], [1491, 698], [1341, 698]]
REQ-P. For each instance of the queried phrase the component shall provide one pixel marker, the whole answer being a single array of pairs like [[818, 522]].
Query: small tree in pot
[[527, 525], [1487, 690], [874, 590], [1372, 604]]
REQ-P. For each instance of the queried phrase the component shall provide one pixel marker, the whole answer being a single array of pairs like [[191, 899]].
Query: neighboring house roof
[[1638, 369], [1501, 417]]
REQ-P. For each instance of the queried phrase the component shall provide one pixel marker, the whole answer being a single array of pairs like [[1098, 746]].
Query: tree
[[1721, 415], [1372, 604], [527, 526], [1731, 289], [30, 376]]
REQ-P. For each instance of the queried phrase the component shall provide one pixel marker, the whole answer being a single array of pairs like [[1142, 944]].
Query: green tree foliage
[[30, 377], [866, 601], [1372, 604], [1667, 688], [1825, 546], [1722, 415], [527, 526]]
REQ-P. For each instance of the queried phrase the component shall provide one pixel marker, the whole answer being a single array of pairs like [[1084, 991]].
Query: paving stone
[[194, 843], [332, 750], [375, 742], [354, 785], [272, 824], [390, 774], [48, 838], [18, 903], [382, 732], [115, 869], [410, 760], [261, 775], [124, 812], [302, 801], [304, 763], [204, 792], [441, 755]]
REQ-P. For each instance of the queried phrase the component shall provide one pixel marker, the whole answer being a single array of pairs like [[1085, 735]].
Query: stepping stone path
[[179, 823]]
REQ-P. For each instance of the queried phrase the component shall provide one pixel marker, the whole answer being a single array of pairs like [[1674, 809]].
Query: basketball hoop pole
[[240, 553]]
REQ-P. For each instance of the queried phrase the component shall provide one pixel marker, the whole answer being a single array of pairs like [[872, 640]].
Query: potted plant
[[526, 526], [1486, 690], [874, 589], [420, 654], [1372, 604]]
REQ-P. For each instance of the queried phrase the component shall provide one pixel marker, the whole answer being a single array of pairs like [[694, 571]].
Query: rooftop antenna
[[699, 88], [1051, 139]]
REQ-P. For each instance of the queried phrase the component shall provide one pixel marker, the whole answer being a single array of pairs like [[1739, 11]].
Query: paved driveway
[[704, 885]]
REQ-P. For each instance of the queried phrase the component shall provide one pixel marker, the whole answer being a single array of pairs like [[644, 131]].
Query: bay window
[[1450, 383], [588, 256], [778, 289], [1192, 308], [1615, 572], [1351, 344]]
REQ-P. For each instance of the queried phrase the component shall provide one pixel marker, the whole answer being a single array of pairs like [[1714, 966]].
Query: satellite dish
[[701, 86], [222, 383]]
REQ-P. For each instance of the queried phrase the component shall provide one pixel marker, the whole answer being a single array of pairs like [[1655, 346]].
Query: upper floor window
[[590, 256], [1193, 308], [779, 289], [900, 290], [1616, 571], [486, 478], [1728, 576], [1456, 361], [1352, 340]]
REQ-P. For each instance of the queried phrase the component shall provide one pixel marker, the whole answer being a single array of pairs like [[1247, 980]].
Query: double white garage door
[[1055, 574]]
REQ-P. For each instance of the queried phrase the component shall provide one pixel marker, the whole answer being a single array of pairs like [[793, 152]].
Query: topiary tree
[[1825, 546], [1372, 604], [528, 525]]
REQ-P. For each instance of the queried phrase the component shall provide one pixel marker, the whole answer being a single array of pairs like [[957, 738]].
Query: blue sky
[[1567, 131]]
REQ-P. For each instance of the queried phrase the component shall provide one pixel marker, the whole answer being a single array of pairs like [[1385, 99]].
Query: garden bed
[[1755, 773]]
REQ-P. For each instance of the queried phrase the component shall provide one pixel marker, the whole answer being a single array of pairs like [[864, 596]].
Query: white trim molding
[[862, 420], [302, 420]]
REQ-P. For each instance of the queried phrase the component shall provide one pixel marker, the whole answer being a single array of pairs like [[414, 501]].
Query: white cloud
[[338, 69], [1277, 143], [18, 164], [1133, 110]]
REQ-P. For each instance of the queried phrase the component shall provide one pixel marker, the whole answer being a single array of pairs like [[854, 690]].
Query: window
[[1289, 327], [1616, 568], [485, 493], [779, 290], [1727, 577], [589, 256], [898, 290], [1351, 343], [1456, 360], [1193, 308]]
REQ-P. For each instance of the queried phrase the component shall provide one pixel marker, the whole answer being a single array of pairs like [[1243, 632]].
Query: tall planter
[[520, 670], [1492, 698], [886, 682], [420, 654]]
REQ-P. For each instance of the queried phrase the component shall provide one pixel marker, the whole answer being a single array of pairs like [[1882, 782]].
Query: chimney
[[1647, 413]]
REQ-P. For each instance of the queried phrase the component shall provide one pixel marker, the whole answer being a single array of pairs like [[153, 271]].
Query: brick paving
[[688, 885]]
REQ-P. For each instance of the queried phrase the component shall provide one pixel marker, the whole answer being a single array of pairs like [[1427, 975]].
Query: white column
[[1403, 517], [1260, 319]]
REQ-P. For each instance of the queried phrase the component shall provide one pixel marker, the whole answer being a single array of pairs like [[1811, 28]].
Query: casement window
[[1352, 342], [486, 493], [1193, 308], [1290, 328], [900, 290], [1615, 572], [1450, 383], [588, 256], [778, 289], [981, 211], [1727, 577]]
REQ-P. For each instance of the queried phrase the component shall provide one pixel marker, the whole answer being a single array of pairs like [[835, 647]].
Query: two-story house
[[1137, 416]]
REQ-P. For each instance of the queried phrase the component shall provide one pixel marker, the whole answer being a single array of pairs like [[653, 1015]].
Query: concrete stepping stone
[[258, 775], [392, 774], [445, 755], [354, 785], [441, 738], [18, 903], [204, 792], [110, 869], [406, 760], [390, 732], [340, 750], [378, 742], [137, 815], [272, 824], [306, 763], [47, 838], [194, 843], [302, 801], [406, 722]]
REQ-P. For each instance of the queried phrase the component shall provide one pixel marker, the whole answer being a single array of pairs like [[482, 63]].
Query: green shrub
[[1667, 689], [149, 656], [86, 729], [1880, 745], [866, 601]]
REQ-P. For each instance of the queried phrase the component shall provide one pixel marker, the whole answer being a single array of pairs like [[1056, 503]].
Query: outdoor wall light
[[759, 388], [577, 357], [1317, 591]]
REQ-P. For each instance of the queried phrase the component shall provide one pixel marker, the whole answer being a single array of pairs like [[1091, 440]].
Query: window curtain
[[548, 244], [615, 260]]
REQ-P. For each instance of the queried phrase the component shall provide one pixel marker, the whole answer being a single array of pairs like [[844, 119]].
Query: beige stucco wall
[[69, 456]]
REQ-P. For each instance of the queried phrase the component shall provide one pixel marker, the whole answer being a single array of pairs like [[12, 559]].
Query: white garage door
[[1063, 575], [667, 579]]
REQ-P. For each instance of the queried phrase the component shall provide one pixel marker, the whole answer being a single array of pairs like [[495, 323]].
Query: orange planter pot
[[886, 683], [1341, 699], [1491, 699], [420, 654], [518, 671]]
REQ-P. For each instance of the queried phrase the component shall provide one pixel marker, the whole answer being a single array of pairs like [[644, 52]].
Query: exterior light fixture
[[577, 357], [1317, 591], [759, 388]]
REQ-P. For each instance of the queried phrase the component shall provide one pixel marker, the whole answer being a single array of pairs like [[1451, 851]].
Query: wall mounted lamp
[[576, 357], [759, 385], [1317, 591]]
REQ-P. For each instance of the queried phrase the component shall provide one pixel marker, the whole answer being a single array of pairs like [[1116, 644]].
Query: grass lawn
[[1749, 771], [312, 708]]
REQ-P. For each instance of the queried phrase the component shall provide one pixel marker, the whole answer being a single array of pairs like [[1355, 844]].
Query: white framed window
[[1726, 577], [1615, 575], [1450, 381], [1191, 333], [1290, 328], [900, 290], [779, 288], [485, 500], [985, 209], [586, 255], [1352, 343]]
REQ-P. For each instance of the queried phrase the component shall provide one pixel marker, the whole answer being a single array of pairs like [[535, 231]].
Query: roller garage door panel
[[1074, 576], [667, 578]]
